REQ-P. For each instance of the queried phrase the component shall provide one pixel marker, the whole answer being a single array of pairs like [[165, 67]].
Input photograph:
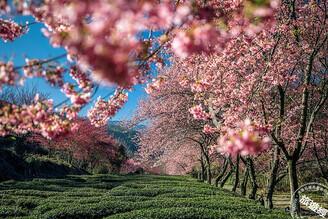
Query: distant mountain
[[124, 135]]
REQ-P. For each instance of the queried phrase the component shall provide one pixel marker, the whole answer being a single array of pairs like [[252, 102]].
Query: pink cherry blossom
[[198, 112], [8, 75], [9, 30]]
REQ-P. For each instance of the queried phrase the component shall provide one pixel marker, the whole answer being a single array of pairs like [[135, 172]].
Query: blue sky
[[35, 45]]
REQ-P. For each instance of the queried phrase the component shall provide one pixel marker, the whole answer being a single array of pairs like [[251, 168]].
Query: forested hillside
[[21, 160], [126, 136]]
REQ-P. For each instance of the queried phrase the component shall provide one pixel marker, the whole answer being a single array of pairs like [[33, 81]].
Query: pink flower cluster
[[196, 40], [198, 112], [9, 30], [209, 130], [198, 87], [155, 85], [212, 150], [4, 7], [205, 34], [184, 82], [35, 68], [37, 118], [81, 78], [71, 112], [8, 75], [244, 141], [44, 121], [109, 44], [78, 99], [55, 127], [260, 128], [104, 110]]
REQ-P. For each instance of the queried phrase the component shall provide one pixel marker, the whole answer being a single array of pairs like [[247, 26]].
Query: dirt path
[[282, 201]]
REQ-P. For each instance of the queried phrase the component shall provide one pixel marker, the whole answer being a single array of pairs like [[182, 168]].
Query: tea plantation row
[[130, 196]]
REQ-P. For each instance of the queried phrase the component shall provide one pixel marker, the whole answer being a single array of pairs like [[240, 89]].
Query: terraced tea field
[[130, 196]]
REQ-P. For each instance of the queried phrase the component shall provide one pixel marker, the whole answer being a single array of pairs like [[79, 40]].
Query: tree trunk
[[229, 173], [202, 174], [272, 180], [323, 172], [226, 178], [293, 184], [84, 164], [222, 172], [208, 169], [70, 158], [236, 174], [243, 185], [252, 177]]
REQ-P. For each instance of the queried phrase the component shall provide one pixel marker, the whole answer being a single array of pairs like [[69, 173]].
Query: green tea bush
[[172, 213], [130, 196], [101, 170], [7, 211]]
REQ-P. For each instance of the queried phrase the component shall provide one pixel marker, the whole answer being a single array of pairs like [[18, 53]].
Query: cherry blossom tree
[[105, 41], [172, 133], [277, 79], [89, 145], [275, 82]]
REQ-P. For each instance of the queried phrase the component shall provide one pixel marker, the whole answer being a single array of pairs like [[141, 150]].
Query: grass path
[[131, 196], [282, 201]]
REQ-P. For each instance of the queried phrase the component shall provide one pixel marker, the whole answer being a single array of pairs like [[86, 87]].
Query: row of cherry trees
[[177, 142], [276, 82]]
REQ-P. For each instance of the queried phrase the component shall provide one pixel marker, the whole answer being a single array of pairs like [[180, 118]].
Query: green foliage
[[130, 196], [33, 161], [7, 211], [22, 160], [101, 170]]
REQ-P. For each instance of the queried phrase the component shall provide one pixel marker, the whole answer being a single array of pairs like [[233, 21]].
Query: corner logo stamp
[[312, 195]]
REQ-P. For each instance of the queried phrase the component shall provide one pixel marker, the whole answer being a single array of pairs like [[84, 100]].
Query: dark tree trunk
[[295, 204], [202, 174], [84, 164], [252, 177], [208, 169], [225, 179], [222, 172], [272, 180], [322, 171], [236, 174], [243, 185], [70, 158]]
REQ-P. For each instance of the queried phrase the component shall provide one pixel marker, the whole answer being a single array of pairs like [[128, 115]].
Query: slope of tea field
[[130, 196]]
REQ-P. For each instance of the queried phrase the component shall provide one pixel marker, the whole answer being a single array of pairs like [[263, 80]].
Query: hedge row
[[139, 196]]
